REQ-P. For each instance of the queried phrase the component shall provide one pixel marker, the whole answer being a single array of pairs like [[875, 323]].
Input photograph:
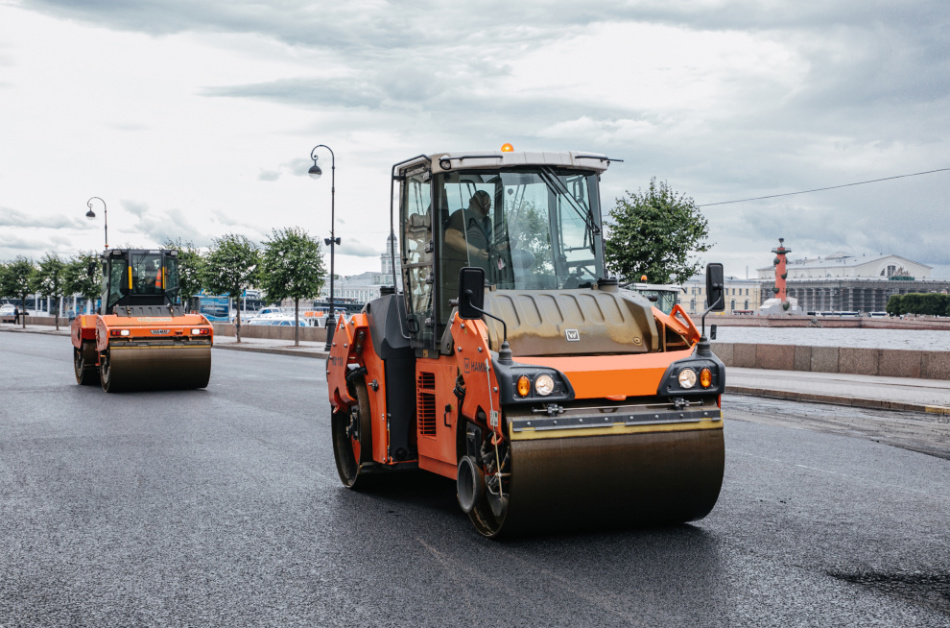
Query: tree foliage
[[16, 281], [230, 268], [78, 279], [292, 268], [49, 278], [190, 269], [656, 233], [926, 304]]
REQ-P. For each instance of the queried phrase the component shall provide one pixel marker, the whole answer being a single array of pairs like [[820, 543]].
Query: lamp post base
[[331, 327]]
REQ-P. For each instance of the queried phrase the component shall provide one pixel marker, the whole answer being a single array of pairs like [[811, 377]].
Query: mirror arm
[[504, 352], [703, 349]]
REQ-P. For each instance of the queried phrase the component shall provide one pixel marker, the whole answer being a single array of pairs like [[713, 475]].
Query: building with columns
[[848, 283]]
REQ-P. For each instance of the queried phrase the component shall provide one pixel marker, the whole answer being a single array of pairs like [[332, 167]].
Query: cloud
[[160, 226], [135, 208], [268, 175], [14, 218], [356, 248]]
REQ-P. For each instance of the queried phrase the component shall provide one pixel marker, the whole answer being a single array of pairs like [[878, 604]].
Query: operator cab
[[531, 221], [139, 282]]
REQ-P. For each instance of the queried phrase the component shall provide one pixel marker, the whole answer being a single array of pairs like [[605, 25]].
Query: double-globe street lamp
[[91, 215], [315, 172]]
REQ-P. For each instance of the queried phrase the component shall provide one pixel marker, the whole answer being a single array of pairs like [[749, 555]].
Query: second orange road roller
[[141, 339], [513, 364]]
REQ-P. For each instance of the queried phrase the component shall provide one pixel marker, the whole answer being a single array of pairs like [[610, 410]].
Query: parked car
[[6, 313]]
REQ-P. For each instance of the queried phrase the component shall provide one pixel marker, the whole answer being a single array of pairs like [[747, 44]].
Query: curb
[[63, 331], [868, 404], [300, 353]]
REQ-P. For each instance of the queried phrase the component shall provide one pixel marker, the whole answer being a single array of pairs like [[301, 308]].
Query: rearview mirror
[[471, 293], [91, 270], [715, 290]]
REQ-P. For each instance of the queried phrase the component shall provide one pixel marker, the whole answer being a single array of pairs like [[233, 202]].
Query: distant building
[[843, 266], [741, 295], [842, 282], [358, 289]]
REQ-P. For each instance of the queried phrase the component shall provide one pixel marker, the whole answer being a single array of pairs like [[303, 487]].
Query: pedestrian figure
[[16, 314]]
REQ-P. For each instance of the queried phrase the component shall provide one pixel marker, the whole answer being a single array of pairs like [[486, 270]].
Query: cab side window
[[417, 255]]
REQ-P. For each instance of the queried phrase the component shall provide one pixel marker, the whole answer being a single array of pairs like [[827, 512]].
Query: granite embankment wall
[[309, 334], [830, 322], [883, 362], [273, 332]]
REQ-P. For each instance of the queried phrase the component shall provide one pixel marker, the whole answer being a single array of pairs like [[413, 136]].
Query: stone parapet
[[850, 360]]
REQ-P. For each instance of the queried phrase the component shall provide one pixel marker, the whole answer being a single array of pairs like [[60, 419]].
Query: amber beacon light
[[507, 148]]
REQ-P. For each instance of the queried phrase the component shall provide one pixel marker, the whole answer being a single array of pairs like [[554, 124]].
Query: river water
[[917, 339]]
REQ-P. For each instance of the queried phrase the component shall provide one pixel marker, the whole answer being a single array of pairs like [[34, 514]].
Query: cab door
[[417, 248]]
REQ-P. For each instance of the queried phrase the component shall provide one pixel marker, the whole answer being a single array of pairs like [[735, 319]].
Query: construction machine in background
[[512, 364], [141, 339]]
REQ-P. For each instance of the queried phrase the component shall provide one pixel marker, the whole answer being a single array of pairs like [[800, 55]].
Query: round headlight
[[687, 378], [544, 385]]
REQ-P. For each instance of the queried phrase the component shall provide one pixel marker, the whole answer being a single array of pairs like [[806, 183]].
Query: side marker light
[[524, 386], [705, 378]]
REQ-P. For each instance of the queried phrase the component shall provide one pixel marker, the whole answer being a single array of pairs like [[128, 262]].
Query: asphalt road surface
[[221, 507]]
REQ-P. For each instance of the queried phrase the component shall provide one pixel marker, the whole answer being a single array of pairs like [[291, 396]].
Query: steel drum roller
[[157, 368], [617, 480]]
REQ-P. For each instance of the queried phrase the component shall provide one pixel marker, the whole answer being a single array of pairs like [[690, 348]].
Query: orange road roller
[[141, 339], [513, 364]]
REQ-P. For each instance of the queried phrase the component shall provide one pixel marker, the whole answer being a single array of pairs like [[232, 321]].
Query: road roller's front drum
[[578, 482], [157, 368]]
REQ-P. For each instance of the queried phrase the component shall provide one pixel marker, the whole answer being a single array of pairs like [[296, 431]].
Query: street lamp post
[[315, 173], [91, 215]]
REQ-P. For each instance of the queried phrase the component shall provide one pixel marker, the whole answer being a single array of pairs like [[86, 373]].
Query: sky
[[192, 119]]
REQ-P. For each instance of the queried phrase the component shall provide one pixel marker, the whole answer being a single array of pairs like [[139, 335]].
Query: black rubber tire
[[86, 374], [104, 371], [353, 473]]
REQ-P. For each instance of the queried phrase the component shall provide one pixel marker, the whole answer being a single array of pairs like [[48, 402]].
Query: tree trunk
[[296, 322], [237, 323]]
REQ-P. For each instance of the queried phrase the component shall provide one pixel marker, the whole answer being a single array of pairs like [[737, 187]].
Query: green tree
[[292, 268], [83, 276], [656, 233], [894, 306], [16, 282], [49, 278], [190, 269], [230, 268]]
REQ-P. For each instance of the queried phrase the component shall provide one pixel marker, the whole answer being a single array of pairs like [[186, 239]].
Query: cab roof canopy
[[442, 162]]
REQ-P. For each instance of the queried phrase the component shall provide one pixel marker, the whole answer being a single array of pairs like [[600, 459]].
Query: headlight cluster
[[119, 332], [543, 385], [696, 376], [688, 378]]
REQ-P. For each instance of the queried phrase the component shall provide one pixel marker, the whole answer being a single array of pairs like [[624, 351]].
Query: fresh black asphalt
[[221, 507]]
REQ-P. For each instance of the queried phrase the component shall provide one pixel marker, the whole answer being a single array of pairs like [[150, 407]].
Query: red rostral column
[[781, 274]]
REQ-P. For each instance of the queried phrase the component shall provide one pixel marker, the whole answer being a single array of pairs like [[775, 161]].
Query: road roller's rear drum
[[615, 480], [155, 368]]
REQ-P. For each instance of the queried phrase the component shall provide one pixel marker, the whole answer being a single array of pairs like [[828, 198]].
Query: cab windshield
[[531, 229], [149, 277]]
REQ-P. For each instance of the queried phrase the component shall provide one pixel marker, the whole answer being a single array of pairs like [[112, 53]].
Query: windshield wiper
[[554, 184]]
